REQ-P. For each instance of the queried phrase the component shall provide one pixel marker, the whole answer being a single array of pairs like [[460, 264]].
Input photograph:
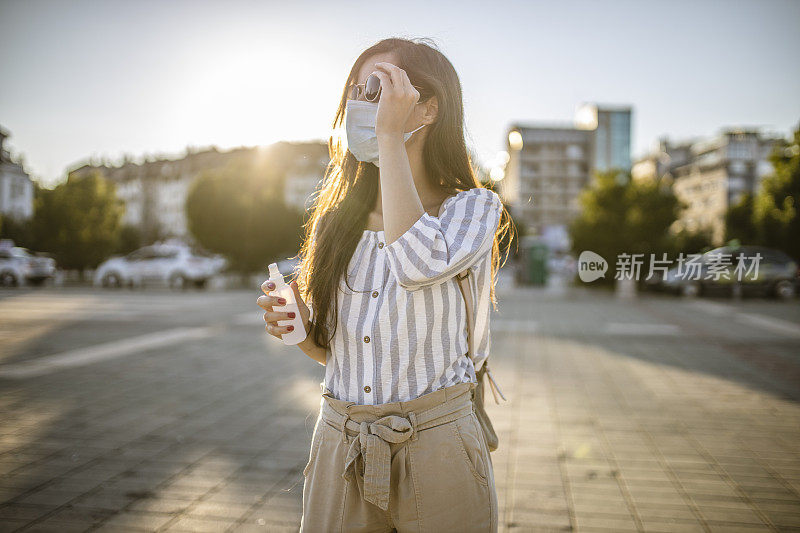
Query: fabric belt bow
[[369, 456]]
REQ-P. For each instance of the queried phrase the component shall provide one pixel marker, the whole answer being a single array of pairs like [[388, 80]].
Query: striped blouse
[[402, 328]]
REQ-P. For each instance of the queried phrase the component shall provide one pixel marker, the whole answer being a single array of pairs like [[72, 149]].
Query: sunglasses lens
[[372, 87]]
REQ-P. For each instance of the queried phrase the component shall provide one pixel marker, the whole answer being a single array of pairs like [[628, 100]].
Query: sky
[[101, 79]]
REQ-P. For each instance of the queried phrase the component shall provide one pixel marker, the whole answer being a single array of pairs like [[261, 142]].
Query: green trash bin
[[537, 264]]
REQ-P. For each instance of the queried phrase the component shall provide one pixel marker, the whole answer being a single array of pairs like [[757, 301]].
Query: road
[[162, 411]]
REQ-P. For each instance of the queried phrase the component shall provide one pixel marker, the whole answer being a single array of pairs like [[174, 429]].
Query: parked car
[[19, 266], [43, 267], [175, 265], [777, 274], [14, 267]]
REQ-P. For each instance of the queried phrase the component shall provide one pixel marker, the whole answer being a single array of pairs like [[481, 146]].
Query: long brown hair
[[349, 189]]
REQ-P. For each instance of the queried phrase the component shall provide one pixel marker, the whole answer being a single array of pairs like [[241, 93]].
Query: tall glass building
[[612, 134]]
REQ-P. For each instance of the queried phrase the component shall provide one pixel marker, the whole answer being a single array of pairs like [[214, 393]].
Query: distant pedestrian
[[397, 445]]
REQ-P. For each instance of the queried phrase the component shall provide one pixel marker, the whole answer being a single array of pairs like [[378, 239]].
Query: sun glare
[[252, 99]]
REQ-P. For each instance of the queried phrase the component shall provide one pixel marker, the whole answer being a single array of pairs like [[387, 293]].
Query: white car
[[19, 266], [15, 266], [172, 264]]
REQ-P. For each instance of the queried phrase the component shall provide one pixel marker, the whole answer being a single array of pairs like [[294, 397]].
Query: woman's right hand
[[271, 317], [398, 98]]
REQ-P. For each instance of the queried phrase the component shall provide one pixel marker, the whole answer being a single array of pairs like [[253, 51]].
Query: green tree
[[775, 207], [78, 222], [18, 230], [739, 222], [239, 212], [688, 242], [130, 239], [622, 216]]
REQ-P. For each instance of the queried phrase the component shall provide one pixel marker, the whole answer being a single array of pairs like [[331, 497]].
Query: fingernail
[[281, 301], [291, 315], [270, 285], [290, 328]]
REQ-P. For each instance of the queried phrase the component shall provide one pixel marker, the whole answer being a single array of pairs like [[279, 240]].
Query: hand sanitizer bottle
[[282, 290]]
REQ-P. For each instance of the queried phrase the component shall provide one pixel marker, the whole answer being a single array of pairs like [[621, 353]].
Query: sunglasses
[[370, 89]]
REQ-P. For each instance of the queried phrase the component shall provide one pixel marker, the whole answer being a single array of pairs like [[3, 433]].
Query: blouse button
[[380, 245], [367, 389], [366, 338], [374, 294]]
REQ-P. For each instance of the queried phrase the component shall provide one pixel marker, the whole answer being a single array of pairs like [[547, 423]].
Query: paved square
[[160, 411]]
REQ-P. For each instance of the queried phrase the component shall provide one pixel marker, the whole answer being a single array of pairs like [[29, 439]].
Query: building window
[[738, 167], [17, 188], [574, 151]]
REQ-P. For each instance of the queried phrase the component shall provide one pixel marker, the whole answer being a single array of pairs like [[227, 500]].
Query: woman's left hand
[[398, 98]]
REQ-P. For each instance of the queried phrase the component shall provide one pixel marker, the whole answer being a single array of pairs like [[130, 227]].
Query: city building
[[155, 191], [710, 175], [547, 169], [612, 134], [549, 165], [664, 155], [16, 186]]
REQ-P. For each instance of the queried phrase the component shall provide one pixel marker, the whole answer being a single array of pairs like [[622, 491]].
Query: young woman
[[397, 446]]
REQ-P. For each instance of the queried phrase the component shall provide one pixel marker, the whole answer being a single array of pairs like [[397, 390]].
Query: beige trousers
[[420, 466]]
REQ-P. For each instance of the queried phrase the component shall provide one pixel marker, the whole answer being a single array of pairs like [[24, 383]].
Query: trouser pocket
[[451, 478], [316, 441], [323, 487], [467, 431]]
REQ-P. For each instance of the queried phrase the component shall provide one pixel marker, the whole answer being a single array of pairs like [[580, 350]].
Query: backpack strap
[[466, 292]]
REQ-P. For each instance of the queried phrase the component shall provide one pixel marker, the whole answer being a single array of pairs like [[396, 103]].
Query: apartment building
[[710, 175], [155, 191], [16, 186], [547, 169], [549, 165]]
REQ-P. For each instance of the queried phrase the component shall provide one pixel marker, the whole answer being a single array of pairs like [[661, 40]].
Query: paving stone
[[729, 527], [50, 526], [738, 516], [138, 520], [23, 511], [228, 510], [270, 527], [620, 522], [79, 515], [113, 501], [672, 526], [783, 520], [524, 518], [12, 524], [200, 525], [49, 497], [270, 512]]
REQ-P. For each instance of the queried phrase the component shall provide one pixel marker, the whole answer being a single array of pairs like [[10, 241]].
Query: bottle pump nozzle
[[273, 271]]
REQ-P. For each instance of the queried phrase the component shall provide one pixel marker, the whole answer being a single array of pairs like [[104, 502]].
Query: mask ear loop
[[416, 130]]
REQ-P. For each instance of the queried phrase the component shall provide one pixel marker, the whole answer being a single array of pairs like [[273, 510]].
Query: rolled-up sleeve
[[434, 249]]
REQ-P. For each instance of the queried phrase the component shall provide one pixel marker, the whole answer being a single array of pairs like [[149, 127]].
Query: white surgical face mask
[[362, 141]]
